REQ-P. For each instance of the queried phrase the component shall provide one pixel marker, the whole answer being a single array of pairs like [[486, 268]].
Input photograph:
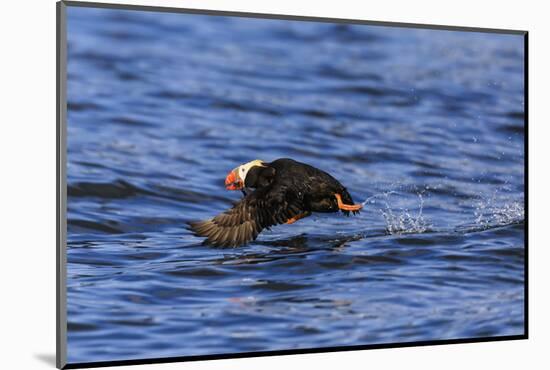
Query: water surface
[[424, 126]]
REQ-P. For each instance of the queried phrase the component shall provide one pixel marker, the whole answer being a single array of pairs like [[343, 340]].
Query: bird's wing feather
[[245, 220]]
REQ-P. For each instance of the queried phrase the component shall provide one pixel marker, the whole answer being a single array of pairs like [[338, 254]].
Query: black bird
[[284, 191]]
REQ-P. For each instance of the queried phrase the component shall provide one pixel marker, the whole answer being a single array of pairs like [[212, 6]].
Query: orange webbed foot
[[347, 207], [292, 220]]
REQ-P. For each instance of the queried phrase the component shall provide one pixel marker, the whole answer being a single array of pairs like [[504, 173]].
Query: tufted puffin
[[281, 192]]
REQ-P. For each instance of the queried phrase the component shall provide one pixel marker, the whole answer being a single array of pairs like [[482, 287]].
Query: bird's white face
[[236, 178], [244, 168]]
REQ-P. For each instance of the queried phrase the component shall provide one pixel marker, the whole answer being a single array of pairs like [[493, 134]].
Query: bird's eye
[[242, 169]]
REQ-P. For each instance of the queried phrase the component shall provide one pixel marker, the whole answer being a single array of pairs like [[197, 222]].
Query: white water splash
[[400, 220], [405, 215], [405, 222], [370, 199], [491, 212]]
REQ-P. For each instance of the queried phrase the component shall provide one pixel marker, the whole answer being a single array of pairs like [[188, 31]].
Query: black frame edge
[[526, 180], [287, 352]]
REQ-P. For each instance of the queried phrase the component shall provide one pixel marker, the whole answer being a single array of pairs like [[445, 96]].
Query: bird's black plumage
[[285, 190]]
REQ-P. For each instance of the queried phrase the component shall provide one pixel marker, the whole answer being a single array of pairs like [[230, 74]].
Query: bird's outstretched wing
[[253, 213]]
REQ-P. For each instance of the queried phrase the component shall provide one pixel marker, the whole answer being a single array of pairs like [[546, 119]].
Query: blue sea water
[[424, 126]]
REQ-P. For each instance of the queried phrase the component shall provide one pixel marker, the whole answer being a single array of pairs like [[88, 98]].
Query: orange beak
[[233, 181]]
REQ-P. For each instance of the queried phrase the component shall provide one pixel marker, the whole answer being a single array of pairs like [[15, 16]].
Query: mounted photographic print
[[234, 184]]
